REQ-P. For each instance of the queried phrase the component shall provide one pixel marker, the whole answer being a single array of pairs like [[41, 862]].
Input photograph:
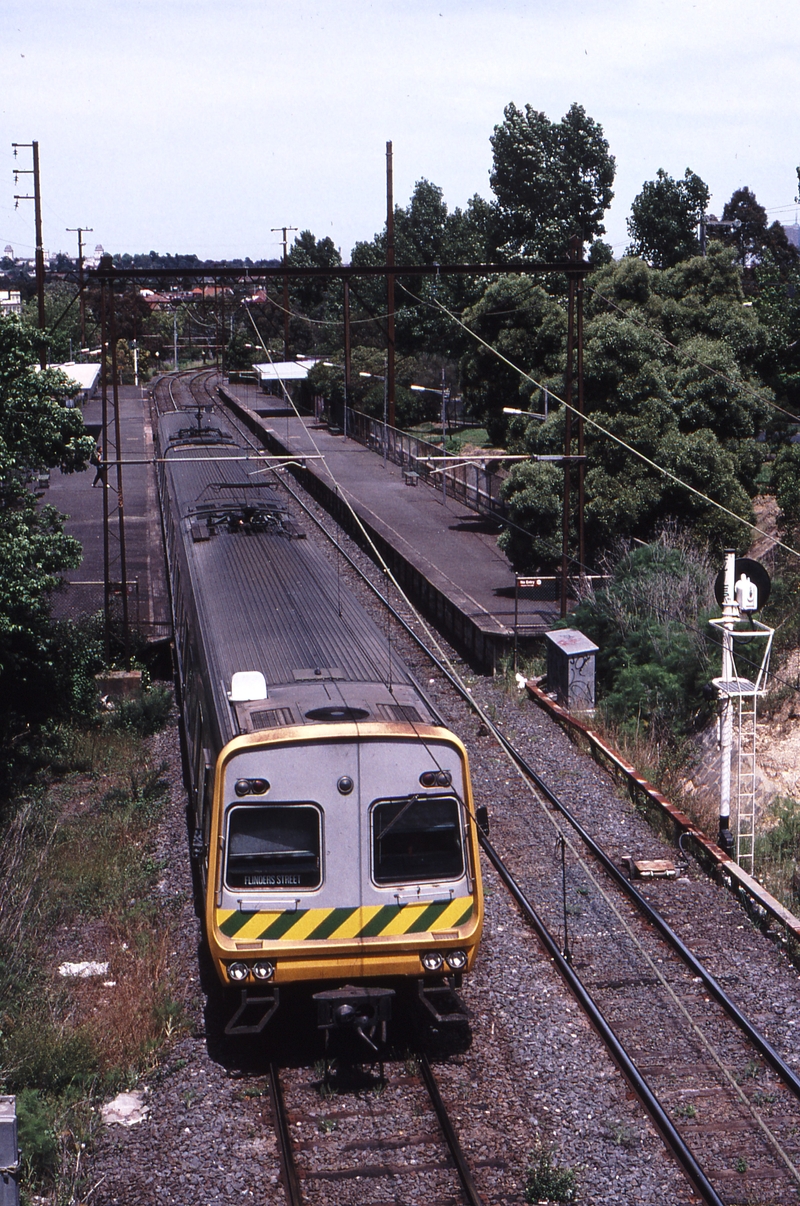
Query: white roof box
[[247, 686]]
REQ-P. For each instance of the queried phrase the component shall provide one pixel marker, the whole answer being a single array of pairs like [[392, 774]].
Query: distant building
[[273, 376], [793, 234], [93, 261], [85, 376], [10, 301]]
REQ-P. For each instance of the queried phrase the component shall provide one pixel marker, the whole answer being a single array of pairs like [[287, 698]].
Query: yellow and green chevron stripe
[[367, 921]]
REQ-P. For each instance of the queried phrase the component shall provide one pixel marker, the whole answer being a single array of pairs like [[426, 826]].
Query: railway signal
[[740, 597]]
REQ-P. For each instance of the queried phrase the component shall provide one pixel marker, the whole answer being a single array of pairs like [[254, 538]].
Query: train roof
[[268, 601]]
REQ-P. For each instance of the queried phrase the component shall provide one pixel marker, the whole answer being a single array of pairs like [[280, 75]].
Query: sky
[[199, 125]]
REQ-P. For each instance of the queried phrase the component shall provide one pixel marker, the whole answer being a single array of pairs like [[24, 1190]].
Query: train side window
[[416, 838], [274, 846]]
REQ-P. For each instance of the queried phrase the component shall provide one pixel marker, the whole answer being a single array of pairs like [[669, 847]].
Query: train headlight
[[237, 972], [251, 787], [431, 960], [456, 960], [263, 969], [440, 778]]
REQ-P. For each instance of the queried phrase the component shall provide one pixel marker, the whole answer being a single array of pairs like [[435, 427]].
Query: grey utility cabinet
[[570, 668], [9, 1156]]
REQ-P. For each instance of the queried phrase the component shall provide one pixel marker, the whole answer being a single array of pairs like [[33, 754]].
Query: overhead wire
[[591, 422]]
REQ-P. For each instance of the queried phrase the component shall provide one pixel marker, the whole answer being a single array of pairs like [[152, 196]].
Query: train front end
[[344, 857]]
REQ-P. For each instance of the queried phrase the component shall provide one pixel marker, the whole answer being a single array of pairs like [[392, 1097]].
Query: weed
[[145, 715], [622, 1135], [741, 1165], [685, 1111], [80, 855], [760, 1098], [752, 1070], [544, 1181], [327, 1126], [777, 850], [411, 1066], [36, 1130]]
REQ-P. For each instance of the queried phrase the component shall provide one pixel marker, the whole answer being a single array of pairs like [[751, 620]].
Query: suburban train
[[333, 826]]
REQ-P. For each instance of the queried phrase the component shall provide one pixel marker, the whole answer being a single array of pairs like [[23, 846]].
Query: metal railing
[[475, 485]]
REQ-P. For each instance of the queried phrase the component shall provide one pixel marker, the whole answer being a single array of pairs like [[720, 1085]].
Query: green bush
[[546, 1183], [145, 715], [38, 1146], [649, 621]]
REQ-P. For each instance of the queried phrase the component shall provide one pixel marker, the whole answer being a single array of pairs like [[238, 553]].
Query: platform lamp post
[[343, 369], [385, 380], [444, 394]]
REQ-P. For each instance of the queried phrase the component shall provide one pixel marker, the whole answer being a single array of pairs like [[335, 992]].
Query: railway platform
[[443, 553], [82, 502]]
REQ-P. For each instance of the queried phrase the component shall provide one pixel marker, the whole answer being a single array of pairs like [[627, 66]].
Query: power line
[[610, 434]]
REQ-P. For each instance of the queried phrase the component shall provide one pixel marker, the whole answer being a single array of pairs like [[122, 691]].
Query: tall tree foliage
[[671, 367], [37, 431], [551, 180], [665, 216]]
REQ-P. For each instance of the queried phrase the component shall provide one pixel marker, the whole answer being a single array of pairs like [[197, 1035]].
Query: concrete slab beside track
[[444, 555]]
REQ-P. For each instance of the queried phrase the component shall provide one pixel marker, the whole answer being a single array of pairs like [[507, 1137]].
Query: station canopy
[[284, 370]]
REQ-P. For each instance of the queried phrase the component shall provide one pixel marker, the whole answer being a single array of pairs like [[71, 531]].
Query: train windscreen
[[273, 846], [416, 838]]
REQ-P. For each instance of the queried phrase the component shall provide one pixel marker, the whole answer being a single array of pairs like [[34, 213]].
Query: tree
[[552, 181], [671, 368], [425, 232], [37, 430], [518, 318], [749, 233], [665, 217]]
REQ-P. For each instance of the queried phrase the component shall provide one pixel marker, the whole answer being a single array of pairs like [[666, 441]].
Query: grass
[[778, 850], [77, 874], [546, 1183]]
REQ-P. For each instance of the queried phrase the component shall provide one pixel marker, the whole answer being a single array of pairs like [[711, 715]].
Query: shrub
[[145, 715], [649, 621], [38, 1146], [545, 1182]]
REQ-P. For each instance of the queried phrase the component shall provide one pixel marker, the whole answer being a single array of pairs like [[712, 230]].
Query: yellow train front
[[344, 855], [333, 828]]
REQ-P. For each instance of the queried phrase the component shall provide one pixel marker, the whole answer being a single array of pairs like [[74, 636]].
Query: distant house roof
[[284, 370]]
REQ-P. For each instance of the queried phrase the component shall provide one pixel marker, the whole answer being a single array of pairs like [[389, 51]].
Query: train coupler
[[443, 1002], [363, 1011], [253, 1013]]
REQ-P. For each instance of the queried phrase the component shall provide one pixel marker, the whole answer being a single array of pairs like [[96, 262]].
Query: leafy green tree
[[786, 485], [750, 224], [665, 217], [312, 296], [552, 181], [528, 327], [37, 431], [425, 232], [671, 368]]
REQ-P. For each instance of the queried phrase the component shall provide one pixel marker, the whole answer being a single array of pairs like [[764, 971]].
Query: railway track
[[376, 1136], [722, 1097]]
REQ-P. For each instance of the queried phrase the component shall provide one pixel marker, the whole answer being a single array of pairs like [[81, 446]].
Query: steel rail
[[759, 1041], [640, 1087], [289, 1168], [627, 1067], [450, 1136]]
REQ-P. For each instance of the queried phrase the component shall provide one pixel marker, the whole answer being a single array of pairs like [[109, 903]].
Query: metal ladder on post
[[746, 781]]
